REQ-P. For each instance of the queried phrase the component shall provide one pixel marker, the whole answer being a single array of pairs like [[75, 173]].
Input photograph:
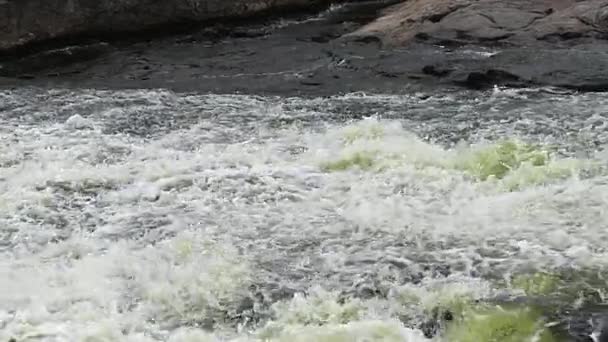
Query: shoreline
[[310, 53]]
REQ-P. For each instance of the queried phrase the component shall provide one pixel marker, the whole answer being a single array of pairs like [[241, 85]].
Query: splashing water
[[154, 216], [516, 163]]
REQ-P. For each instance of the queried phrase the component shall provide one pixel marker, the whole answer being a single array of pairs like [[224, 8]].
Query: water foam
[[148, 216]]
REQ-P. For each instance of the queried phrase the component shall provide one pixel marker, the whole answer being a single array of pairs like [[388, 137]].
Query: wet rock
[[434, 71], [282, 293], [25, 22], [579, 329], [246, 304], [584, 69], [414, 46], [429, 328], [367, 292], [489, 78], [588, 323], [602, 331], [55, 57], [435, 323], [557, 43]]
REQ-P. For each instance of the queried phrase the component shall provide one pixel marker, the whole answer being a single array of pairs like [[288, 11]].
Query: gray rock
[[584, 69], [560, 43], [28, 21], [516, 22], [602, 330], [324, 57]]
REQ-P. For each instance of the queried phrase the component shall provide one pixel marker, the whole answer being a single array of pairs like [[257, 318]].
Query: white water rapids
[[155, 216]]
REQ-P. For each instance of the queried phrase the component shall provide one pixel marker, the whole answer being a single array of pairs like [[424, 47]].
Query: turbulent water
[[155, 216]]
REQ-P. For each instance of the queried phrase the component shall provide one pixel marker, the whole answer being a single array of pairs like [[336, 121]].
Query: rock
[[429, 328], [483, 80], [584, 69], [245, 304], [282, 293], [602, 329], [583, 19], [434, 71], [437, 320], [558, 43], [401, 22], [25, 22], [54, 57], [517, 22], [362, 11], [417, 45]]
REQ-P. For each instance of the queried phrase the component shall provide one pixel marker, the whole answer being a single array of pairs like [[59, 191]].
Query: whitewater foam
[[153, 216]]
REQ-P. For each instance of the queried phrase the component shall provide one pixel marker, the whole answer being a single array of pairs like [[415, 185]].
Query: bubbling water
[[154, 216]]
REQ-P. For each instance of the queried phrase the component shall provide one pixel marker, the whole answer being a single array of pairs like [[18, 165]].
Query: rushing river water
[[155, 216]]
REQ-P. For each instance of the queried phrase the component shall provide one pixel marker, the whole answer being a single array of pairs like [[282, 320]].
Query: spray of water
[[153, 216]]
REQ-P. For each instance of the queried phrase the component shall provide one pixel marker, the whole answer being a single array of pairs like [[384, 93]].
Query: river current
[[148, 215]]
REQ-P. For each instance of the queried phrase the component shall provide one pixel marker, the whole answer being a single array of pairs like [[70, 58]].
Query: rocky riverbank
[[357, 46], [556, 43], [38, 21], [468, 216]]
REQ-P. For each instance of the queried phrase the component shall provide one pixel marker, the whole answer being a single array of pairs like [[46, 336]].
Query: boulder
[[29, 21]]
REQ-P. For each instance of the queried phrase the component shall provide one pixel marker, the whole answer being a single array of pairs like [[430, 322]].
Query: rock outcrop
[[560, 43], [28, 21], [363, 45], [491, 22]]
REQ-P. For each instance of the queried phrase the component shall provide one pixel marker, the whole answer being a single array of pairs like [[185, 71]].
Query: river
[[149, 215]]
